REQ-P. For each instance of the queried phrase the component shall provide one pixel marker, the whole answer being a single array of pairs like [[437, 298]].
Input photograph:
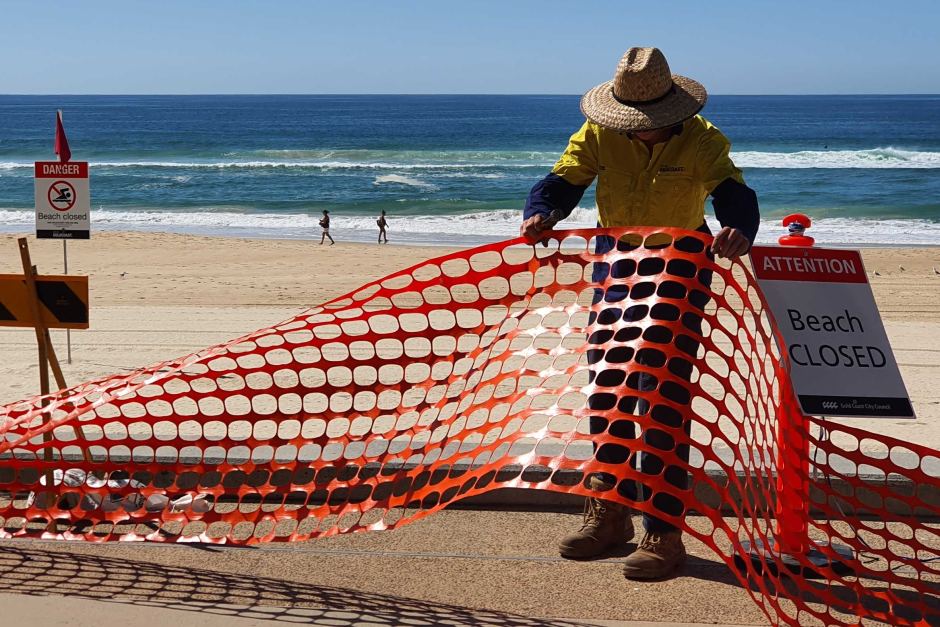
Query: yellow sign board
[[63, 301]]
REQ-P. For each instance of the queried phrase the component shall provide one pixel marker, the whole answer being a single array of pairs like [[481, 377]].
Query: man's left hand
[[730, 243]]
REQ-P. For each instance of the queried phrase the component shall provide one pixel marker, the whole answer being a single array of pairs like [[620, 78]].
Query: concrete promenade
[[458, 567]]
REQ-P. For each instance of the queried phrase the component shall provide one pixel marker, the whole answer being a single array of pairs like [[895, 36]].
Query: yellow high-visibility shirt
[[636, 188]]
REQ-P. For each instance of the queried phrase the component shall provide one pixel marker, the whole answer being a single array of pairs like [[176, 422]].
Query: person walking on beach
[[656, 161], [325, 225], [382, 225]]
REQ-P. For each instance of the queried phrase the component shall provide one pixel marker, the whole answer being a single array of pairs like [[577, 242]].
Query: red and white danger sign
[[63, 200], [841, 361]]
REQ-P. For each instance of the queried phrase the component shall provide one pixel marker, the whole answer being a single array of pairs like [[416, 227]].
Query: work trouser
[[613, 390]]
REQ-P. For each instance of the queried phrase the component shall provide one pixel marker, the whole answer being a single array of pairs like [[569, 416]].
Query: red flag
[[61, 143]]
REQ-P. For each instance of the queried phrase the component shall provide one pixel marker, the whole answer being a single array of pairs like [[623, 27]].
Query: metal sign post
[[840, 364], [68, 332], [37, 304]]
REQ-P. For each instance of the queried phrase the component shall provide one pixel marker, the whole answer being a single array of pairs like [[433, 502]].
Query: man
[[656, 162], [325, 225], [382, 225]]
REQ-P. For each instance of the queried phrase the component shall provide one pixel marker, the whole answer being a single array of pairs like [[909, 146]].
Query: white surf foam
[[307, 165], [399, 179], [874, 158], [451, 230]]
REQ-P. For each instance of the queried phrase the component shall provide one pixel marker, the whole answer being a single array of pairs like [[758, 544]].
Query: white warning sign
[[63, 200], [841, 361]]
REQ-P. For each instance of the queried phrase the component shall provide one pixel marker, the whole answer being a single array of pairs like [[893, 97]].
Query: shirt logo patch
[[671, 169]]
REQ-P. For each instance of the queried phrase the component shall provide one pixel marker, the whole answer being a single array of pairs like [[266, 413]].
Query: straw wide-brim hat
[[644, 95]]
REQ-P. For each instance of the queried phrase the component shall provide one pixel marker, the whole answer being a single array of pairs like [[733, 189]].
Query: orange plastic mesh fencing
[[651, 368]]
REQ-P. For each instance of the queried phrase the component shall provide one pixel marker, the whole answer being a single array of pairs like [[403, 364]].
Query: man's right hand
[[533, 228]]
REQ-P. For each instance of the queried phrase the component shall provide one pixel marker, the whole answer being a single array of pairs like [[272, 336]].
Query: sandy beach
[[156, 296]]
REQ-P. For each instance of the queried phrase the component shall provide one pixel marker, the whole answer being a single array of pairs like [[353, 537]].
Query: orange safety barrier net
[[503, 366]]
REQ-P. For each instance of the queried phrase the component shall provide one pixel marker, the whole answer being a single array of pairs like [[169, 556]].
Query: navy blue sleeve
[[736, 206], [553, 195]]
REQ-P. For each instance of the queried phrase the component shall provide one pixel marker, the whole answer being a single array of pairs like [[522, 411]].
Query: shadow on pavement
[[42, 572], [892, 602]]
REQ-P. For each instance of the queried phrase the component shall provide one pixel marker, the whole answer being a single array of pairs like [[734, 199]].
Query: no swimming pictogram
[[61, 195]]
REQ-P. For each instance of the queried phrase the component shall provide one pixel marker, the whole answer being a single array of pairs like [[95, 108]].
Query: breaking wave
[[874, 158], [398, 179]]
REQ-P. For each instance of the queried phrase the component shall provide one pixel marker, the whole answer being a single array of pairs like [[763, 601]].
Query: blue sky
[[468, 46]]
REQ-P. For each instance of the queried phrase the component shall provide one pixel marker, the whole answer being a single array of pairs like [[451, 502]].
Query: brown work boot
[[658, 554], [606, 525]]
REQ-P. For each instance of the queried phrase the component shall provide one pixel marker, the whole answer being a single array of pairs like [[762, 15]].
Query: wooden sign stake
[[47, 357]]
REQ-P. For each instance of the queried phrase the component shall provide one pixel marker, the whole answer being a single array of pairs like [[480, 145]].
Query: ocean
[[450, 170]]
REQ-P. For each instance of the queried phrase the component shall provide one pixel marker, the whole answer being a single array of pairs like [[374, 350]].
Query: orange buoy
[[796, 224]]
